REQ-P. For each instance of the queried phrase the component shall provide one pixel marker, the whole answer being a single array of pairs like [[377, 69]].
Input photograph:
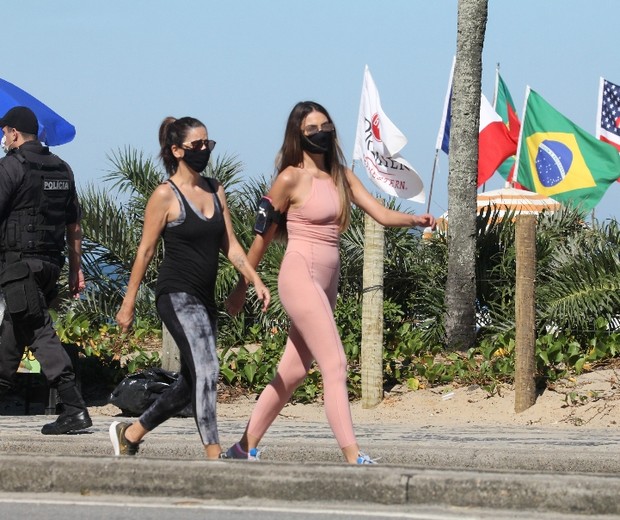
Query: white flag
[[377, 145]]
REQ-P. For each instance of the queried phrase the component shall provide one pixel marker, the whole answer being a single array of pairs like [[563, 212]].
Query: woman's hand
[[236, 299], [262, 293], [425, 220], [125, 317]]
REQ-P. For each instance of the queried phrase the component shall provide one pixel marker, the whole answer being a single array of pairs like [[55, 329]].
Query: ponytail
[[173, 132]]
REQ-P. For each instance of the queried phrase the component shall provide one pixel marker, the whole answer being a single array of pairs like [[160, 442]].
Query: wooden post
[[170, 355], [372, 314], [525, 313]]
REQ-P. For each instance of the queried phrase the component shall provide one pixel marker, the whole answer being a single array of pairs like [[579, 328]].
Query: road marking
[[190, 504]]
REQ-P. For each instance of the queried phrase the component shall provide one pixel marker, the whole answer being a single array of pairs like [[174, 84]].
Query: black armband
[[265, 215]]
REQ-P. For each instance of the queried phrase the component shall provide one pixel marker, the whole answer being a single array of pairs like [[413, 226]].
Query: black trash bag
[[134, 394]]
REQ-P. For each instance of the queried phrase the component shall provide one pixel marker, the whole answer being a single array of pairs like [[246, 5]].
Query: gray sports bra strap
[[180, 198], [176, 190]]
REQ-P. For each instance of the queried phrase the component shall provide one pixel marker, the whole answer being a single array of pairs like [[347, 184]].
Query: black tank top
[[191, 250]]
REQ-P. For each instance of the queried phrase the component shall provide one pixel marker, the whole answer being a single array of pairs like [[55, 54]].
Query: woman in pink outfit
[[315, 190]]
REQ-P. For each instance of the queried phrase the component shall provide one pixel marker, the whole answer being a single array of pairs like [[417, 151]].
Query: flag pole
[[442, 132], [430, 191], [496, 86]]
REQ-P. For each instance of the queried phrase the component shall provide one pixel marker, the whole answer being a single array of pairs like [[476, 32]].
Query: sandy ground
[[591, 400]]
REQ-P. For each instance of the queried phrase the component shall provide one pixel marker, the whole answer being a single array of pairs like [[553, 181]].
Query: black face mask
[[317, 143], [197, 161]]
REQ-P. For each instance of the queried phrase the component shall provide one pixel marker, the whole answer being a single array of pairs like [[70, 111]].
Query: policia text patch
[[55, 185]]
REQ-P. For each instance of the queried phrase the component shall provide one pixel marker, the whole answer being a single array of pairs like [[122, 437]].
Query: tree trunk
[[460, 296], [170, 354], [372, 314], [525, 313]]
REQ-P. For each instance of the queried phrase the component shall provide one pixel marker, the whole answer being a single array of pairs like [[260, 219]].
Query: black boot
[[75, 414]]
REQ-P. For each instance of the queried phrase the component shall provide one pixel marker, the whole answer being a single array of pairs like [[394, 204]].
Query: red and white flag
[[377, 145], [495, 144]]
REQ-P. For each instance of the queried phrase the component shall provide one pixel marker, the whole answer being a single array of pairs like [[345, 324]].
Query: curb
[[186, 447], [382, 484]]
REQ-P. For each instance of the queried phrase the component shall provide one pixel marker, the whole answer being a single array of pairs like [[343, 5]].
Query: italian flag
[[505, 107]]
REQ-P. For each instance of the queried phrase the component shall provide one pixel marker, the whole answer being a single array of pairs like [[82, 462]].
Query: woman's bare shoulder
[[162, 194], [289, 176]]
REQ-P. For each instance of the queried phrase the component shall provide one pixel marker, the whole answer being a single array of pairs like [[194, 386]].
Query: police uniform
[[38, 200]]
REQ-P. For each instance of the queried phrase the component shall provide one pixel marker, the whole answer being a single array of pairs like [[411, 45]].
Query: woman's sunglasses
[[197, 145], [311, 130]]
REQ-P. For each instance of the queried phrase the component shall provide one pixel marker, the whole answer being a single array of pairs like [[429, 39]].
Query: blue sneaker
[[237, 452], [362, 458]]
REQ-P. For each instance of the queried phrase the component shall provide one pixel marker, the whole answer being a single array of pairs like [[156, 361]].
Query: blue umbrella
[[53, 129]]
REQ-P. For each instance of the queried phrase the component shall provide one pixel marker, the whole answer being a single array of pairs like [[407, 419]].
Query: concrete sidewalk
[[562, 470]]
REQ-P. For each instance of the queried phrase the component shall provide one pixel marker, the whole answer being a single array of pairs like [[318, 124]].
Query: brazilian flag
[[558, 159]]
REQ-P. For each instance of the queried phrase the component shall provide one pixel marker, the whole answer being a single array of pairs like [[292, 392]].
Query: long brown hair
[[291, 154]]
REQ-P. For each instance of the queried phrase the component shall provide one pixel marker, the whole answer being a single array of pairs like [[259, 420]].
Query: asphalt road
[[77, 507]]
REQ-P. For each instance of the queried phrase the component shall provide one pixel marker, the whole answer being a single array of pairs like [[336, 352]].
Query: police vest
[[36, 223]]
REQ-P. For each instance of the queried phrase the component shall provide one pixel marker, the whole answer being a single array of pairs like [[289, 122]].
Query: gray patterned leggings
[[194, 333]]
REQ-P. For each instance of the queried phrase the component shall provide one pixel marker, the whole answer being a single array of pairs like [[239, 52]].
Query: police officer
[[39, 216]]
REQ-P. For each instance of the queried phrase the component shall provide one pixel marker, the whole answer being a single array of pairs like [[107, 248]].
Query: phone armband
[[266, 214]]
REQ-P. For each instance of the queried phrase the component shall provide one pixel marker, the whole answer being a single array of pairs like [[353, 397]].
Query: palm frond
[[581, 281], [133, 174]]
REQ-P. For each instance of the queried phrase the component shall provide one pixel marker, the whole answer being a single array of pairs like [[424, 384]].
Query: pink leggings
[[308, 291]]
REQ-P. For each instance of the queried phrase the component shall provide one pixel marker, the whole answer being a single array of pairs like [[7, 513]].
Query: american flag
[[608, 117]]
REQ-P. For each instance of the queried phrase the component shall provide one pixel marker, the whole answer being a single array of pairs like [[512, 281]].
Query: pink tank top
[[316, 220]]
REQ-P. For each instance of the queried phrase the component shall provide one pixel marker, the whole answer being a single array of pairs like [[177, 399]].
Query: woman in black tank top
[[190, 213]]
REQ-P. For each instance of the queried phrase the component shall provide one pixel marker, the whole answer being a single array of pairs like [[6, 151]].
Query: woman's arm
[[384, 216], [155, 218], [280, 195], [235, 253]]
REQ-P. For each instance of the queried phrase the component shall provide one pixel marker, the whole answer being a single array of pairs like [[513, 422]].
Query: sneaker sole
[[114, 438]]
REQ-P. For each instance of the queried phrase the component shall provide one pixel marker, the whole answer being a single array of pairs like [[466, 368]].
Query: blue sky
[[115, 69]]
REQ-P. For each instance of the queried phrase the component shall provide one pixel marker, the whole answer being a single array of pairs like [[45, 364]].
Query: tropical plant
[[580, 282], [578, 270], [112, 225]]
